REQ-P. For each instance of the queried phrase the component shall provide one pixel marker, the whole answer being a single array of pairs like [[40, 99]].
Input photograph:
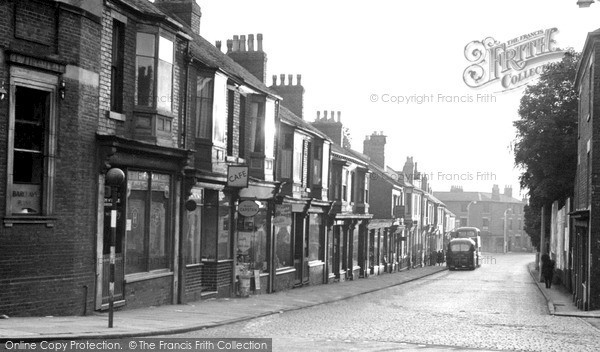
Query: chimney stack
[[259, 39], [236, 43], [242, 42], [187, 10], [253, 61], [250, 42], [218, 44], [292, 94], [495, 192], [508, 191], [333, 129]]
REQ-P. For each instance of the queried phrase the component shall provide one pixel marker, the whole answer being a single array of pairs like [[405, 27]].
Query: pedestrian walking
[[547, 269], [440, 257]]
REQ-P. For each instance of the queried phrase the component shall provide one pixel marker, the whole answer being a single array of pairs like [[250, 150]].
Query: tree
[[546, 142]]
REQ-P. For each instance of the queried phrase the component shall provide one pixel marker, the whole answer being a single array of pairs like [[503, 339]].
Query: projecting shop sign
[[237, 176]]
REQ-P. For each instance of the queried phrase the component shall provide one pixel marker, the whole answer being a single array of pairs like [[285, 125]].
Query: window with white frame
[[204, 105], [31, 142], [154, 71]]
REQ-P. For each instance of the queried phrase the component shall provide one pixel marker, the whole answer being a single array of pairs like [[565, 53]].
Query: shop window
[[193, 231], [31, 143], [154, 71], [315, 236], [252, 239], [282, 223], [216, 238], [148, 244]]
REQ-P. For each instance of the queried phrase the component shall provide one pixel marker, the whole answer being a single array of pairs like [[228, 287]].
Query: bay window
[[154, 70], [211, 111]]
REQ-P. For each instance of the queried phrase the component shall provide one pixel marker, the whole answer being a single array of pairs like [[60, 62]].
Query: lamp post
[[469, 212], [505, 229], [114, 179]]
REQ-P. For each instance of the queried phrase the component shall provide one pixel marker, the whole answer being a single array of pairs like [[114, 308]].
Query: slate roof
[[473, 196], [202, 50], [290, 118]]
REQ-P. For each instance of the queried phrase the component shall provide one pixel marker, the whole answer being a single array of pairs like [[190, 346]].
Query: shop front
[[347, 252], [206, 247], [147, 223]]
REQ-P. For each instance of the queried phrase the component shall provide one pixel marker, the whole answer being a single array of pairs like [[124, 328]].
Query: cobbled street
[[496, 307]]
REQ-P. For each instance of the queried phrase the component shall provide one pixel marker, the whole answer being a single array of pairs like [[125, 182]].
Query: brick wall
[[154, 292], [594, 186], [50, 270], [217, 277]]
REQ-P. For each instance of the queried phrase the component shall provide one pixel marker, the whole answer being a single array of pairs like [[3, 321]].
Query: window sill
[[315, 263], [285, 270], [154, 111], [116, 116], [195, 265], [147, 275], [9, 221], [217, 261]]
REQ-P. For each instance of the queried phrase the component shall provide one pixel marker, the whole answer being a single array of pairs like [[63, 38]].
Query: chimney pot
[[236, 43], [259, 39], [325, 114], [339, 116], [274, 80], [282, 79], [299, 80], [243, 43], [250, 42], [332, 115], [218, 44], [318, 115], [290, 77], [229, 45]]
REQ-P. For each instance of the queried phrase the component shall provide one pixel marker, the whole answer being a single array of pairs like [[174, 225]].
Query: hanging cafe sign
[[237, 176], [511, 64]]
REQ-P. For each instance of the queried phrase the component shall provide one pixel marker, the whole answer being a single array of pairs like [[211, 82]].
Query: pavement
[[173, 319], [560, 301]]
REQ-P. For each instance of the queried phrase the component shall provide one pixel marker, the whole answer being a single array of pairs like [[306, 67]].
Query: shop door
[[337, 251], [119, 263], [300, 250]]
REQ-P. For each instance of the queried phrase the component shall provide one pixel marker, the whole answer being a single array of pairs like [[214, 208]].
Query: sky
[[367, 59]]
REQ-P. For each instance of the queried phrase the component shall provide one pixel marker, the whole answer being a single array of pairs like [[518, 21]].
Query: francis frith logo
[[511, 64]]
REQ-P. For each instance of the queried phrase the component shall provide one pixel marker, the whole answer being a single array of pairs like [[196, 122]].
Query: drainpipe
[[188, 61]]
